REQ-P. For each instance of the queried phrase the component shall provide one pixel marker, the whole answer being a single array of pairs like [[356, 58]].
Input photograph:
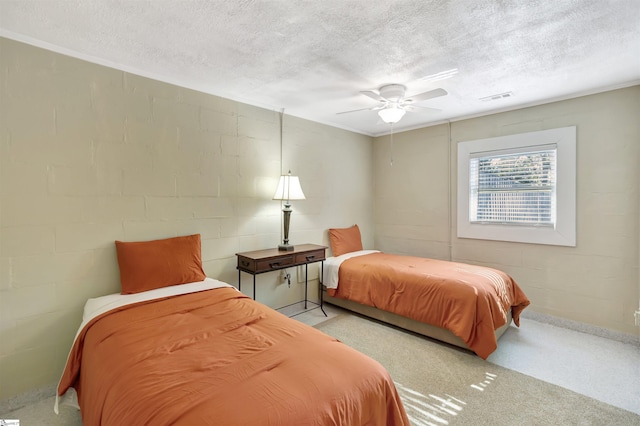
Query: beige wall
[[411, 195], [595, 282], [89, 155]]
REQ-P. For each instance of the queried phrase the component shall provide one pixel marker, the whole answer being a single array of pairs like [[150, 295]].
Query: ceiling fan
[[394, 104]]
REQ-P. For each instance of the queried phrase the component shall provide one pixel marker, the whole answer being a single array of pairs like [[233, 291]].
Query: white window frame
[[564, 231]]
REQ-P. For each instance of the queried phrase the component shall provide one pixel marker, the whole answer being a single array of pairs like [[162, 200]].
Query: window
[[518, 188]]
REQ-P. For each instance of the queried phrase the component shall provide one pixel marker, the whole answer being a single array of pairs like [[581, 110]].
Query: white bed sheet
[[331, 266]]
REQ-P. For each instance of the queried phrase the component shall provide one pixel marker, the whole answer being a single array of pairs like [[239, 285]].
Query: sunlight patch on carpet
[[428, 410], [488, 379], [436, 410]]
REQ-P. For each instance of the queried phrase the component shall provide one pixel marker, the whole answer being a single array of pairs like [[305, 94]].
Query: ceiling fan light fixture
[[391, 115]]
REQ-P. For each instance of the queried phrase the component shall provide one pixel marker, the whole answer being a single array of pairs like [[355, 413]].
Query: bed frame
[[421, 328]]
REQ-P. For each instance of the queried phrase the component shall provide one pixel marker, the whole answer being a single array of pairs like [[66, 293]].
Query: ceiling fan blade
[[373, 95], [354, 110], [435, 93], [420, 108], [362, 109]]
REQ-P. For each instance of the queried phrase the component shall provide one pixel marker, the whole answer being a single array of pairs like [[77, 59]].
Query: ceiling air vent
[[497, 97]]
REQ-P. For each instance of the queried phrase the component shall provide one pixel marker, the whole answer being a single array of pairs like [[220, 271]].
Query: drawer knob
[[274, 264], [244, 263], [310, 257]]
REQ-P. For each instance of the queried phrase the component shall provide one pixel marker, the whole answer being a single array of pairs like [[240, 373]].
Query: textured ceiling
[[313, 58]]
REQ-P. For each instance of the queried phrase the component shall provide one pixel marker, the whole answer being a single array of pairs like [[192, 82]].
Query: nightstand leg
[[320, 288], [254, 287], [322, 309], [306, 280]]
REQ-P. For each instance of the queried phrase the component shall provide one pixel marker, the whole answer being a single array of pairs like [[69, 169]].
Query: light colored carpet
[[441, 384], [41, 414]]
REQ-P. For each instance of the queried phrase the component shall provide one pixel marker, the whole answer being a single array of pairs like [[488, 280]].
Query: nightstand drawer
[[273, 264], [310, 256], [246, 264]]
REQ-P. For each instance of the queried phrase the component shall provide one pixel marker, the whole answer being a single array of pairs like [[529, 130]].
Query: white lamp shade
[[289, 188], [391, 115]]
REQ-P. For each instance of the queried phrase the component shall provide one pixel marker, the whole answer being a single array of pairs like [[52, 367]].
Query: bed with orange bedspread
[[211, 356], [470, 301]]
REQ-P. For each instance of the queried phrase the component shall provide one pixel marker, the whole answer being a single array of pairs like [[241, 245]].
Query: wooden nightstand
[[261, 261]]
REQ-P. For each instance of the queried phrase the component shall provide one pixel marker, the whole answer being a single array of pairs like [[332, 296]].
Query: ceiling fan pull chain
[[391, 160]]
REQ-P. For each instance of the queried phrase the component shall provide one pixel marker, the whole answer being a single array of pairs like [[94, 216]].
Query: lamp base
[[285, 247]]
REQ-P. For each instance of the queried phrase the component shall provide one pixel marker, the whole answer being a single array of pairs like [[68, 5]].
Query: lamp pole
[[285, 246]]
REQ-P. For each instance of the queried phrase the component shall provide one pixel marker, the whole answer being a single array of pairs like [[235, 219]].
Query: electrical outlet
[[637, 317]]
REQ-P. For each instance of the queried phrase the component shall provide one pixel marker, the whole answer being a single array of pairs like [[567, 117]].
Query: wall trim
[[582, 327]]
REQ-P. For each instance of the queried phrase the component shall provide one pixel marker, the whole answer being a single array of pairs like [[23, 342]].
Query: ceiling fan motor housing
[[393, 92]]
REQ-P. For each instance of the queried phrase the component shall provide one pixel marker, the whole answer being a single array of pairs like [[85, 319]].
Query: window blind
[[515, 187]]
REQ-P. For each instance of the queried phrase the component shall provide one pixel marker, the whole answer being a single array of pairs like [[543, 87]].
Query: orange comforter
[[219, 358], [470, 301]]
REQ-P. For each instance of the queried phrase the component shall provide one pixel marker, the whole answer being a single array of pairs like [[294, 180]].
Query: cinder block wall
[[595, 282], [89, 155]]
